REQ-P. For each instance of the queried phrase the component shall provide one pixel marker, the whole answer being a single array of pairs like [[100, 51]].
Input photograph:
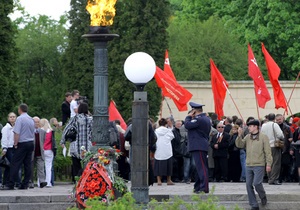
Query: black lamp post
[[140, 68], [101, 16]]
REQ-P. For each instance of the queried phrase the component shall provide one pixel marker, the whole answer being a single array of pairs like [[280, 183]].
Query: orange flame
[[102, 12]]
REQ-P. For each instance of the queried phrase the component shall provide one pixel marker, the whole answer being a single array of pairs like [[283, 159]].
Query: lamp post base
[[140, 148]]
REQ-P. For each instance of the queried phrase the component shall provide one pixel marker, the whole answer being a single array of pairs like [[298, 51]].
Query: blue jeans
[[243, 163], [254, 178], [188, 165]]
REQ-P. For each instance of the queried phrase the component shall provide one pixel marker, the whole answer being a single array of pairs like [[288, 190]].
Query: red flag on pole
[[114, 114], [172, 89], [167, 66], [219, 88], [261, 91], [274, 72], [168, 70]]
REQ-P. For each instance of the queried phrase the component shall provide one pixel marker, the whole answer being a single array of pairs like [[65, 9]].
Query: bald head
[[36, 122]]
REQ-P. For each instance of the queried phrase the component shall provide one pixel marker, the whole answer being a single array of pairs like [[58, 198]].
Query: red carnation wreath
[[94, 182]]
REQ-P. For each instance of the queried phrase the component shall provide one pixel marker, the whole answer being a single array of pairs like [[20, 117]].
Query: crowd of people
[[28, 142], [199, 149]]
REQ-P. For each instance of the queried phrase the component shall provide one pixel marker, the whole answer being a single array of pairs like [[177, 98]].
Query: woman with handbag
[[81, 125], [7, 143]]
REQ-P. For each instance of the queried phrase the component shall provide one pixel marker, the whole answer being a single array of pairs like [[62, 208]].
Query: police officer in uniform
[[198, 126]]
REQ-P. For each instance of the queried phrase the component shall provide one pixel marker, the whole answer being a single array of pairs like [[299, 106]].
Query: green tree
[[273, 22], [78, 60], [142, 27], [207, 39], [41, 42], [79, 56], [8, 94]]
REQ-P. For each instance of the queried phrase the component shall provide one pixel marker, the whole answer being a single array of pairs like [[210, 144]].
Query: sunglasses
[[221, 127]]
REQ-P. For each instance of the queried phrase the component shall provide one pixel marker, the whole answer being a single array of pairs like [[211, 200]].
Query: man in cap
[[258, 157], [198, 126]]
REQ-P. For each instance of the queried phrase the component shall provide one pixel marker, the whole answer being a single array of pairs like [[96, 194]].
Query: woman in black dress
[[234, 164]]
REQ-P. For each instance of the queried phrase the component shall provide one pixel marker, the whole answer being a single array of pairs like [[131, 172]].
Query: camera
[[82, 99]]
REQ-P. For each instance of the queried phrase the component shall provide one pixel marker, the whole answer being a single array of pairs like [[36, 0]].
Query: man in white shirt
[[74, 103], [273, 131]]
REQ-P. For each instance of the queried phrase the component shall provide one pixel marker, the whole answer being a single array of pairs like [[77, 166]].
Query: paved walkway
[[223, 189], [177, 189]]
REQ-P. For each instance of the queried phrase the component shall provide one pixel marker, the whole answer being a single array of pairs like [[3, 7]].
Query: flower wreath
[[93, 182]]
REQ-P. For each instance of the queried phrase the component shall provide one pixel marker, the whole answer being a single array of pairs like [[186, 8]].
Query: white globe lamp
[[139, 68]]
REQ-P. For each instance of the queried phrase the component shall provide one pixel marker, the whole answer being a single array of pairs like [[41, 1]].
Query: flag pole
[[233, 101], [168, 106], [256, 103], [161, 106], [288, 102]]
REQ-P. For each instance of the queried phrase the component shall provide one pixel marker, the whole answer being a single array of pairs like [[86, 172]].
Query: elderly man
[[258, 157], [38, 158], [273, 131], [220, 144], [23, 144]]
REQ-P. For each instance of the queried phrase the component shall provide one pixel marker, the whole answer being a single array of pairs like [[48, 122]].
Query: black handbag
[[71, 134], [4, 162]]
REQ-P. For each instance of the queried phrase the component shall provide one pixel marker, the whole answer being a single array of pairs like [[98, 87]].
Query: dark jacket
[[223, 145], [66, 112], [227, 128], [232, 146], [198, 132], [286, 130], [177, 146]]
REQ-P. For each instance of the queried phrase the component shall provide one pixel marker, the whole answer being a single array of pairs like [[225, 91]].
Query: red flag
[[114, 114], [219, 87], [172, 89], [167, 66], [261, 91], [274, 72], [168, 70]]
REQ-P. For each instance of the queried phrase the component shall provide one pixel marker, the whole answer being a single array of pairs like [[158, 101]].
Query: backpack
[[114, 137]]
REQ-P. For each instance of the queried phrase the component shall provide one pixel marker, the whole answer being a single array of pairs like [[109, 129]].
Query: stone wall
[[242, 93]]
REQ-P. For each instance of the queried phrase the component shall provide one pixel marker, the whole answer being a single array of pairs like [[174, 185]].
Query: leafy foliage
[[78, 58], [142, 27], [207, 39], [9, 87], [41, 42], [274, 23]]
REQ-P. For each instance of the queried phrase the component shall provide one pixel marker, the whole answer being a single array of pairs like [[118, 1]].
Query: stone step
[[230, 197], [35, 206], [273, 205], [231, 205]]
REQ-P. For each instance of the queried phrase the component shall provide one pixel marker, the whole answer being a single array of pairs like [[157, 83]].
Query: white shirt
[[267, 129], [7, 136], [73, 106], [163, 143]]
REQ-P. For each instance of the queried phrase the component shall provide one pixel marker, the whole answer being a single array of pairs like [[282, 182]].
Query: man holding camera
[[198, 126]]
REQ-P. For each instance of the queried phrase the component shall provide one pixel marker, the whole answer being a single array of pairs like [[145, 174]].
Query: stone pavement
[[286, 196]]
